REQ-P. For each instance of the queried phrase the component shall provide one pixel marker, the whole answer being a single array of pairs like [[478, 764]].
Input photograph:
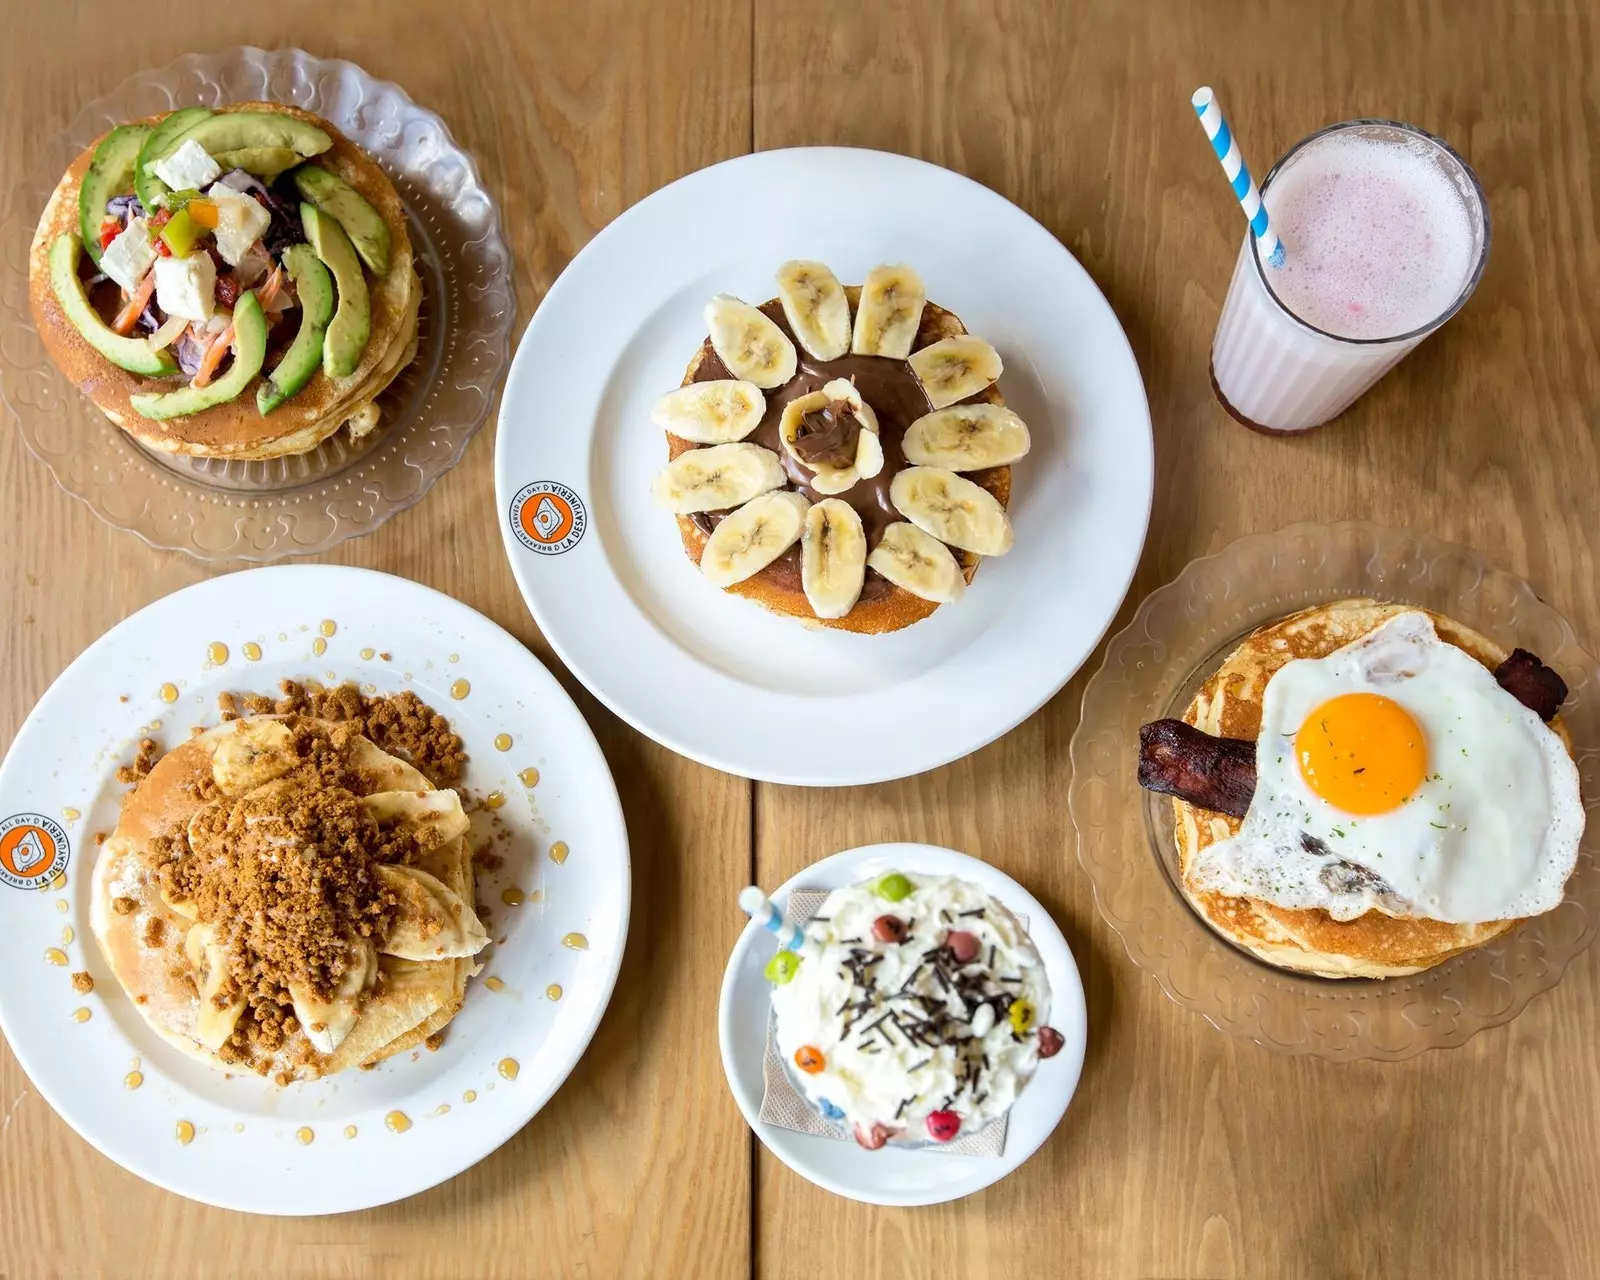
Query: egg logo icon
[[33, 851], [548, 517]]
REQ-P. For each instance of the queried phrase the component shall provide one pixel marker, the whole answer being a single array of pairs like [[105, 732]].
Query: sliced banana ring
[[431, 921], [833, 558], [439, 811], [888, 313], [751, 538], [717, 478], [954, 368], [919, 563], [749, 342], [215, 1018], [254, 752], [816, 307], [718, 412], [966, 437], [827, 477], [952, 509], [327, 1022]]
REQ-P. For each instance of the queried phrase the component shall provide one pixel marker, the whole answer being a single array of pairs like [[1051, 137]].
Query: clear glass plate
[[233, 510], [1177, 638]]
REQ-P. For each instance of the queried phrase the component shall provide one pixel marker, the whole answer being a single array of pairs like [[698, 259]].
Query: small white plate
[[716, 677], [246, 1153], [890, 1176]]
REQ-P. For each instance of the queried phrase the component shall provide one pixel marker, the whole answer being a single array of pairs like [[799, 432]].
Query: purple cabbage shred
[[189, 354]]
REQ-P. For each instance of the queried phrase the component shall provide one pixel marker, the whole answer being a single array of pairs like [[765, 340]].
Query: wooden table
[[1185, 1153]]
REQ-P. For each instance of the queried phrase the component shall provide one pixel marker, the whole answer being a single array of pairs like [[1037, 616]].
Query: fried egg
[[1396, 774]]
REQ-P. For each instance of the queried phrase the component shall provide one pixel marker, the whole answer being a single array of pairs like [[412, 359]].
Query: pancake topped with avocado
[[228, 283]]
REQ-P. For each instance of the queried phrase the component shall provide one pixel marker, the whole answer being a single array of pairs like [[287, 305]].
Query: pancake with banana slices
[[227, 283], [1374, 789], [840, 454], [280, 895]]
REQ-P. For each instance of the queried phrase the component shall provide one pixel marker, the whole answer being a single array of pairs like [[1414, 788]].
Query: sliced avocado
[[166, 133], [250, 349], [338, 199], [132, 354], [249, 130], [351, 326], [264, 162], [314, 287], [110, 174]]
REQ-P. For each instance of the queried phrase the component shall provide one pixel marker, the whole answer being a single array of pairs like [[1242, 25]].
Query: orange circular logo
[[33, 851], [548, 517]]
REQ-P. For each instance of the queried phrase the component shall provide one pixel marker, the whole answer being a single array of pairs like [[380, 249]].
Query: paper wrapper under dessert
[[782, 1104]]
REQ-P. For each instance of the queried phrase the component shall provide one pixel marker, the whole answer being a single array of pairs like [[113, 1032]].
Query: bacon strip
[[1532, 683]]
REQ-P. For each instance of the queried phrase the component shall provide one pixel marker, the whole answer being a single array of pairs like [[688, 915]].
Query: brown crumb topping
[[434, 1041], [82, 982], [155, 932], [142, 763], [124, 906]]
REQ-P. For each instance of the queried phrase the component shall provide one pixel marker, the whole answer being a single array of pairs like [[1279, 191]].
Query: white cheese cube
[[187, 286], [240, 222], [128, 257], [188, 168]]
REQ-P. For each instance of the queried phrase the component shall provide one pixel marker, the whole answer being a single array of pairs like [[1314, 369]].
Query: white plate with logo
[[253, 1146], [891, 1175], [714, 676]]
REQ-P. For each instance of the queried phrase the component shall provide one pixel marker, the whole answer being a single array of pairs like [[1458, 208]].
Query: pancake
[[883, 606], [1229, 704], [237, 429]]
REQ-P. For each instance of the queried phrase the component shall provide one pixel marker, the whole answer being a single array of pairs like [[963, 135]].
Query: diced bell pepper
[[181, 233]]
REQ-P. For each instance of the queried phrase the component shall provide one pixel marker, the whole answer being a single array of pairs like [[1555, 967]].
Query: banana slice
[[749, 343], [888, 313], [255, 752], [833, 558], [432, 921], [717, 477], [218, 1015], [327, 1022], [717, 412], [439, 810], [954, 368], [952, 509], [919, 563], [181, 907], [817, 309], [827, 451], [966, 437], [752, 537]]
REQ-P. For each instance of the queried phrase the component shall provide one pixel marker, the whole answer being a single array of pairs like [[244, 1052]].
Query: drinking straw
[[760, 909], [1244, 186]]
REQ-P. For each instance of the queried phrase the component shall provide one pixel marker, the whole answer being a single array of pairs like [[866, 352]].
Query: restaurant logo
[[33, 851], [548, 517]]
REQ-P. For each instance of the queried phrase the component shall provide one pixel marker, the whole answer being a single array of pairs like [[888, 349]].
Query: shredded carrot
[[267, 294], [212, 358], [129, 315]]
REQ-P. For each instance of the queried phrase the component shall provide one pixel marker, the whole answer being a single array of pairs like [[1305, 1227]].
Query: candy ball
[[1021, 1015], [829, 1110], [893, 887], [963, 946], [809, 1059], [943, 1125], [1050, 1042], [782, 967], [889, 929], [872, 1138]]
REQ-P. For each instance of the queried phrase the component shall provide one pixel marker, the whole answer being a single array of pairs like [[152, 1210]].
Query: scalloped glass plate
[[1177, 638], [233, 510]]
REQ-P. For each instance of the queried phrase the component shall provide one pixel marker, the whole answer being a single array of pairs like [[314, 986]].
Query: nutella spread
[[828, 435]]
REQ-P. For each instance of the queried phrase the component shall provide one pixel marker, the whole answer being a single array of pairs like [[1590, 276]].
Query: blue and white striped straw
[[759, 908], [1244, 186]]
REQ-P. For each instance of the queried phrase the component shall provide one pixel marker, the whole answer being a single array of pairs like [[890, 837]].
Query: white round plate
[[891, 1176], [246, 1154], [714, 676]]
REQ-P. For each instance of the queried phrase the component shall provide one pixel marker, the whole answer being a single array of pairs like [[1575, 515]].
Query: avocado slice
[[132, 354], [110, 174], [264, 162], [250, 349], [314, 287], [163, 138], [351, 326], [248, 130], [338, 199]]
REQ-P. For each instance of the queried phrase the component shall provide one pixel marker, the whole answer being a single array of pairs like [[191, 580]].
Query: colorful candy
[[874, 1137], [943, 1125], [829, 1110], [1021, 1015], [1050, 1042], [809, 1059], [893, 887], [782, 967], [963, 946], [889, 929]]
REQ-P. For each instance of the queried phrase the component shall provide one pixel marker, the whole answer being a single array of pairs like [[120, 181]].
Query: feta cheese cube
[[240, 222], [188, 168], [128, 257], [187, 286]]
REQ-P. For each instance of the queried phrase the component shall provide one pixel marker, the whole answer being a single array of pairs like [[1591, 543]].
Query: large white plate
[[716, 677], [891, 1176], [246, 1154]]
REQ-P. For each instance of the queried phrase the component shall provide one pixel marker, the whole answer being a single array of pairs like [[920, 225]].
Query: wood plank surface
[[1185, 1154]]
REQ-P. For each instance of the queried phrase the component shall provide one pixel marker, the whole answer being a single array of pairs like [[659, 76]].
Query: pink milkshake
[[1385, 234]]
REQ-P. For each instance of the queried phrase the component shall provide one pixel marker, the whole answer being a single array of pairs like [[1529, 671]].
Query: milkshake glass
[[1386, 234]]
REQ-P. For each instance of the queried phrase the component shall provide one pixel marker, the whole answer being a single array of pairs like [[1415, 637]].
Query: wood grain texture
[[1185, 1154]]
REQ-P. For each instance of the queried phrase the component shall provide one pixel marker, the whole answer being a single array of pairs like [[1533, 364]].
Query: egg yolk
[[1362, 752]]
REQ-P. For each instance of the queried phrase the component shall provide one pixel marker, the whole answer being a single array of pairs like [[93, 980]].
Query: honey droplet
[[133, 1080], [185, 1133], [367, 654], [71, 814], [349, 1131], [502, 742], [169, 692], [455, 657], [81, 1015], [398, 1121], [471, 1095], [509, 1068], [217, 652], [494, 800], [494, 984], [238, 1126], [319, 646], [305, 1135], [66, 933], [513, 897], [559, 852], [576, 941], [55, 955], [529, 777], [460, 689], [61, 906], [553, 991], [328, 627], [60, 882], [252, 651], [443, 1109]]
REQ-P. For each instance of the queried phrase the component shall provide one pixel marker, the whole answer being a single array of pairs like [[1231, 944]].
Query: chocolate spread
[[828, 435]]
